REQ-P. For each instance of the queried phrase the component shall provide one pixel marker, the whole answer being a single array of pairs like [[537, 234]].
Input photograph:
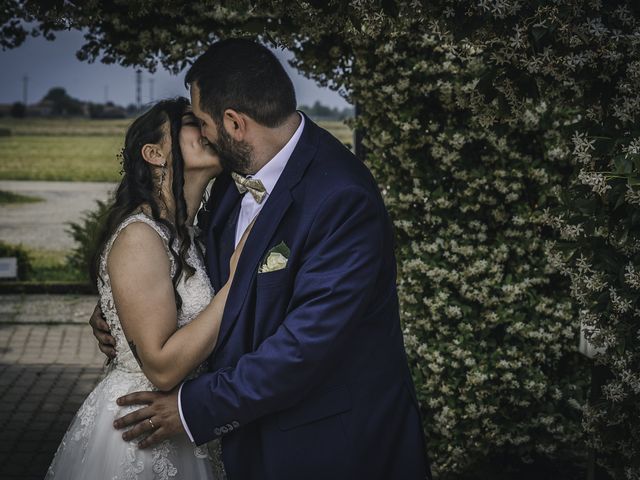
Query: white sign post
[[8, 267]]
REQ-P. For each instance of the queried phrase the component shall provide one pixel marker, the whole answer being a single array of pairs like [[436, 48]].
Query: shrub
[[18, 110], [22, 255], [85, 233], [583, 58], [489, 326]]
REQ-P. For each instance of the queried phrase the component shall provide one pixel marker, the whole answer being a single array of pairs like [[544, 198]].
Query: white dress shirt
[[249, 209], [268, 175]]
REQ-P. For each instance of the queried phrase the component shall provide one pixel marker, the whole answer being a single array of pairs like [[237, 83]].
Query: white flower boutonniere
[[276, 259]]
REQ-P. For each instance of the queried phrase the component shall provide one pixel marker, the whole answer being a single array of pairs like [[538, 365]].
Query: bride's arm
[[139, 271]]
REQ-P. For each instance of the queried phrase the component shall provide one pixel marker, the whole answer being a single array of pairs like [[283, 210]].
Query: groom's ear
[[235, 123]]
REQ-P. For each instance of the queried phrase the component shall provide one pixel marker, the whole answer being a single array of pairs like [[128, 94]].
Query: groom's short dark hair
[[245, 76]]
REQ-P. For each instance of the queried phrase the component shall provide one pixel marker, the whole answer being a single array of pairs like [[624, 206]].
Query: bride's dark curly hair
[[140, 182]]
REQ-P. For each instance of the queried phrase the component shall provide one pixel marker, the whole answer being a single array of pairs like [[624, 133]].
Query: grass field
[[41, 265], [11, 197], [73, 158], [76, 149], [52, 266], [65, 126], [339, 130]]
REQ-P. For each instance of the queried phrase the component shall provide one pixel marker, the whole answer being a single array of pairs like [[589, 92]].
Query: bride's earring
[[162, 175]]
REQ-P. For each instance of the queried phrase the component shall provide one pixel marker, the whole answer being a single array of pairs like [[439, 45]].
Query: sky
[[54, 64]]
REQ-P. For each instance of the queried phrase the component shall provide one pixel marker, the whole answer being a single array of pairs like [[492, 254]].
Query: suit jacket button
[[229, 426], [216, 431], [224, 429], [235, 424]]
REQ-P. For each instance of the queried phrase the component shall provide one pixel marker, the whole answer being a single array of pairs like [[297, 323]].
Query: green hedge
[[22, 256], [85, 234], [583, 59]]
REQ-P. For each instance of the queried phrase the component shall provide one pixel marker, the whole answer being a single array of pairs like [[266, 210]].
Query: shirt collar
[[271, 171]]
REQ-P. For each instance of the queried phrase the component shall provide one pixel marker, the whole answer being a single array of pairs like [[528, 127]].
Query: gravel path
[[43, 225]]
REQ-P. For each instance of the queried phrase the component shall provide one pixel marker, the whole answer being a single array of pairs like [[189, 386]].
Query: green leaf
[[255, 25], [607, 259], [623, 164], [282, 249], [503, 104], [585, 205], [619, 202], [538, 32], [390, 8], [633, 180], [485, 85], [527, 85]]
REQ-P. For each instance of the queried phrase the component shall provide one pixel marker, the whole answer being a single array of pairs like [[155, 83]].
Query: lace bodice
[[196, 291]]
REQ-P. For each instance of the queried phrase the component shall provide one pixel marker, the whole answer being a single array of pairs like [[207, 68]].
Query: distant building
[[43, 108], [47, 108], [108, 110]]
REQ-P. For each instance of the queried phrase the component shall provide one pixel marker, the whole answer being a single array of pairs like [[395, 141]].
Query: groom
[[309, 378]]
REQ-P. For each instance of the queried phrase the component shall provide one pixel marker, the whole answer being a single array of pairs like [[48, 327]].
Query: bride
[[156, 298]]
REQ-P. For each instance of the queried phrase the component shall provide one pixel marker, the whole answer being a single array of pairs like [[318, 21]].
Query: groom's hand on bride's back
[[106, 343], [159, 419]]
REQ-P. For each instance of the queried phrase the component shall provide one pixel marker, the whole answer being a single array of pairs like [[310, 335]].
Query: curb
[[57, 288], [46, 309]]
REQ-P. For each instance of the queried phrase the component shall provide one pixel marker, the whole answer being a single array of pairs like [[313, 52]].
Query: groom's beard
[[234, 156]]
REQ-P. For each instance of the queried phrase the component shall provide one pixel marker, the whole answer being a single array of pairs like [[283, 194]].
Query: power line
[[139, 89], [25, 88]]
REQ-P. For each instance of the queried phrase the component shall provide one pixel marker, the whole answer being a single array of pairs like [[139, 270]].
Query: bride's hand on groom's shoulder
[[106, 343], [159, 419]]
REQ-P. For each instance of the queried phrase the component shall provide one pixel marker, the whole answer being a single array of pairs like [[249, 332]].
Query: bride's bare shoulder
[[137, 243]]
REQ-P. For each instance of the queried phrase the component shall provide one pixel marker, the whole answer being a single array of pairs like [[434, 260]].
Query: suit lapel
[[227, 243], [226, 197], [266, 224]]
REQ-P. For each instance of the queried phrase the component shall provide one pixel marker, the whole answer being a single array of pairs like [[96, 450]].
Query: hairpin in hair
[[120, 157]]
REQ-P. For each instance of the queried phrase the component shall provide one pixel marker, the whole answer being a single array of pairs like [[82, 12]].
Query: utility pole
[[139, 89], [25, 87], [358, 147], [106, 93], [151, 99]]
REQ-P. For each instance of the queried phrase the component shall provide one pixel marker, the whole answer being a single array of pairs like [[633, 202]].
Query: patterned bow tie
[[251, 185]]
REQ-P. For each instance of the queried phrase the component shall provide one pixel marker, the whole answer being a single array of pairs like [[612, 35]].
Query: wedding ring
[[151, 423]]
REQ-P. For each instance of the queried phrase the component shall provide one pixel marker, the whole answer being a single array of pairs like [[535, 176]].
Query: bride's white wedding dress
[[92, 448]]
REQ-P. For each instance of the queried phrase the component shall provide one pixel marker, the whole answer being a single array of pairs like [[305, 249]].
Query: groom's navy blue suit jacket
[[309, 378]]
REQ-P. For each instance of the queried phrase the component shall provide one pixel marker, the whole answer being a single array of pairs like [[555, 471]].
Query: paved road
[[43, 225], [49, 362]]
